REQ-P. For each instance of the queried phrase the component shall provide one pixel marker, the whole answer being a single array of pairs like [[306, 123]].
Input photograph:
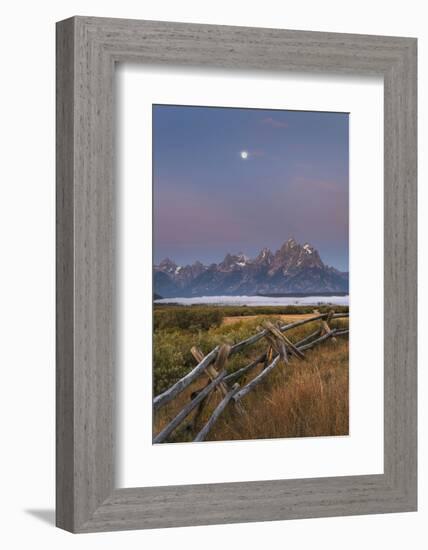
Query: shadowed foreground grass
[[302, 399], [307, 398]]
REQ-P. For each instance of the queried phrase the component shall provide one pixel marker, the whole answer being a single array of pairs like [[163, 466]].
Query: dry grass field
[[304, 398], [286, 317]]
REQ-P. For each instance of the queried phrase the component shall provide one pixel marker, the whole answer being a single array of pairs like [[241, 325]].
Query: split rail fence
[[213, 365]]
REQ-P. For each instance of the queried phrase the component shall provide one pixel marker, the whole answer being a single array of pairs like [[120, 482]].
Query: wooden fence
[[213, 365]]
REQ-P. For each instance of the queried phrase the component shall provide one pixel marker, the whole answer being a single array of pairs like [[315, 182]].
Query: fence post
[[213, 370], [281, 337], [325, 324]]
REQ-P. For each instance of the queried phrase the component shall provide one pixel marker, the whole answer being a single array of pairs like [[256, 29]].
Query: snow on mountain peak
[[293, 267]]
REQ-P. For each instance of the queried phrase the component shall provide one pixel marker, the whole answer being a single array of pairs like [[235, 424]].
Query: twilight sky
[[208, 200]]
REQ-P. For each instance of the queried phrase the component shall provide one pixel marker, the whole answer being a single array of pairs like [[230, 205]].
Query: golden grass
[[305, 399], [286, 317], [302, 399]]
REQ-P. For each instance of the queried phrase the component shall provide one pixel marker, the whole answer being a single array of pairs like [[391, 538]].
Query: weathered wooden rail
[[213, 365]]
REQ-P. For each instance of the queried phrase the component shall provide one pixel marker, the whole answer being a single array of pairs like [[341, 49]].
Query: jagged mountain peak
[[167, 265], [234, 261], [292, 268], [265, 256]]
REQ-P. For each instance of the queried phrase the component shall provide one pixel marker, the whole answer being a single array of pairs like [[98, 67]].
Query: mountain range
[[293, 268]]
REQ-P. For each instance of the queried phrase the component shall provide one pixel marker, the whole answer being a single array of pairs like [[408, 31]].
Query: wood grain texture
[[64, 277], [184, 382], [246, 389], [87, 49], [216, 414], [184, 413]]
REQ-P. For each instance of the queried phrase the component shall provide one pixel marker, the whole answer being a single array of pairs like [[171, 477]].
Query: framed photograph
[[210, 194], [236, 274]]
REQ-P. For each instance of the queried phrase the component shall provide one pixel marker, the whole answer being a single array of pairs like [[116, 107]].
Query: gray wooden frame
[[87, 50]]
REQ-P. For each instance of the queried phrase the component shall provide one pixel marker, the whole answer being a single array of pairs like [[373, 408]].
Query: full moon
[[244, 154]]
